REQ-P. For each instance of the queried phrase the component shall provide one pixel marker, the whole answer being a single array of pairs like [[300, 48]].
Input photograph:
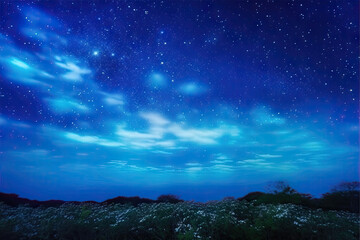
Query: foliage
[[279, 192], [342, 200], [345, 196], [169, 198], [227, 219], [280, 187], [282, 213], [346, 186]]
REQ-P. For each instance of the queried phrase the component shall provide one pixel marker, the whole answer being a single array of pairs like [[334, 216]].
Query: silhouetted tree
[[280, 192], [344, 196], [128, 200], [169, 198], [346, 186], [280, 187]]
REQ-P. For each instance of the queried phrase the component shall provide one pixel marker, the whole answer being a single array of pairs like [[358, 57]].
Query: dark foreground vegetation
[[282, 213]]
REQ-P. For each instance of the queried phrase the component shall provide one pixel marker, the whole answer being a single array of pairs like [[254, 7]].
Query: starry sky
[[203, 99]]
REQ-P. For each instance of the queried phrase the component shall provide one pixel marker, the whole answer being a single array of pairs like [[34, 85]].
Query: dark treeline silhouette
[[14, 200], [345, 196], [168, 198]]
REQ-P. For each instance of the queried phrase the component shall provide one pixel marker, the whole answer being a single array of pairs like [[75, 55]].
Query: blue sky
[[123, 99]]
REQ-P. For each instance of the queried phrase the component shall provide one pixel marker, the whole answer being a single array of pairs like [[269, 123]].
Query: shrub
[[169, 198], [227, 219]]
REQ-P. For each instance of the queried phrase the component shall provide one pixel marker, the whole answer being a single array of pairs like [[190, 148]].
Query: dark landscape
[[282, 213]]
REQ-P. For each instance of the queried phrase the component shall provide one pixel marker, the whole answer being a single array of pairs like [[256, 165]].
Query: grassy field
[[227, 219]]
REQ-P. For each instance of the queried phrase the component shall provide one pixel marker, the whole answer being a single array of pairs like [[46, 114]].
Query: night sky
[[203, 99]]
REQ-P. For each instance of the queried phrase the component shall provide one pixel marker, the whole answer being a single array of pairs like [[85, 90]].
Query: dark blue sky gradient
[[202, 99]]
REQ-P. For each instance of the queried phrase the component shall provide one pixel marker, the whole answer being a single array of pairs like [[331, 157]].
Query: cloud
[[38, 24], [257, 163], [269, 156], [150, 144], [263, 116], [162, 152], [74, 73], [313, 146], [201, 136], [221, 167], [160, 126], [20, 71], [40, 19], [82, 154], [221, 156], [118, 163], [129, 135], [251, 161], [287, 148], [113, 99], [157, 81], [2, 121], [193, 169], [193, 164], [154, 118], [67, 105], [221, 159], [92, 140], [20, 64], [192, 88], [161, 133]]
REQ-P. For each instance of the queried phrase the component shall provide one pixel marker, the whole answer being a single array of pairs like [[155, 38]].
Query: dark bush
[[279, 193], [251, 196], [128, 200], [344, 196], [169, 198]]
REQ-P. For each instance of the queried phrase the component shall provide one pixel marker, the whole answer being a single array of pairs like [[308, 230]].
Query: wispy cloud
[[74, 72], [67, 105], [269, 156], [113, 99], [192, 88], [193, 169], [193, 164], [264, 116], [92, 140], [163, 132]]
